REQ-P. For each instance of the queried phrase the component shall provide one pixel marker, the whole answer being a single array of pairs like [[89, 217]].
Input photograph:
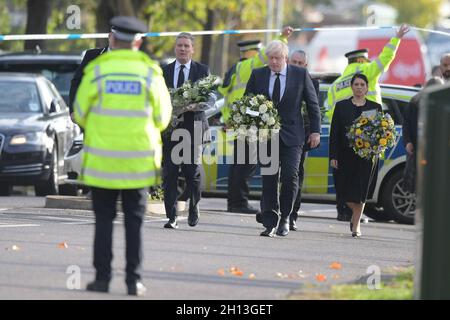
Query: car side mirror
[[53, 106]]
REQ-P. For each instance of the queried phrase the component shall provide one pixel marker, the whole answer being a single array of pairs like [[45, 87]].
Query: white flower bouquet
[[197, 96], [254, 118]]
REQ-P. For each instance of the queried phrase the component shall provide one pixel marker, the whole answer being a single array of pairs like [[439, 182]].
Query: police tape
[[200, 33]]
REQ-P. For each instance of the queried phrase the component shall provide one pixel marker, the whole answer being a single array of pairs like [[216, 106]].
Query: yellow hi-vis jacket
[[123, 104], [341, 88], [236, 87]]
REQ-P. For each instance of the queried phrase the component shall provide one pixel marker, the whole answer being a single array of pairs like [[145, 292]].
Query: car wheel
[[5, 190], [50, 187], [397, 202], [376, 213]]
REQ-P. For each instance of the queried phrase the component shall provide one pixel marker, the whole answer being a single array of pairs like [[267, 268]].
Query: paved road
[[190, 263]]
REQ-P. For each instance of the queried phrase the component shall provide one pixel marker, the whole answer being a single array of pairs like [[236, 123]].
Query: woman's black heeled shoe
[[356, 234]]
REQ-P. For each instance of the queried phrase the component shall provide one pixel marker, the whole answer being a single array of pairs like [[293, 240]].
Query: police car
[[390, 201]]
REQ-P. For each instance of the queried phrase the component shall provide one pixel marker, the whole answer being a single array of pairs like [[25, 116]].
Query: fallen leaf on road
[[221, 272], [235, 271], [63, 245], [321, 277], [336, 266]]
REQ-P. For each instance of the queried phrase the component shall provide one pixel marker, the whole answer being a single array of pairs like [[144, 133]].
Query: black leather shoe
[[269, 232], [283, 228], [136, 289], [171, 224], [259, 217], [98, 286], [193, 217], [293, 226], [245, 209]]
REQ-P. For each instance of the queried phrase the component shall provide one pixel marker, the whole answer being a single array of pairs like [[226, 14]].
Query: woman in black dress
[[355, 177]]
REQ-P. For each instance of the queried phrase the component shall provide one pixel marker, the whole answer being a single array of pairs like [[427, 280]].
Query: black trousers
[[134, 204], [239, 176], [301, 177], [191, 172], [273, 201]]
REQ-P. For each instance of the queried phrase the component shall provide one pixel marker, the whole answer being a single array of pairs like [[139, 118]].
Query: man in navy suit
[[287, 86], [195, 123]]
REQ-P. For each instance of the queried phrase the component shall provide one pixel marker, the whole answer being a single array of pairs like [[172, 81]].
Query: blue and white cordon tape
[[196, 33]]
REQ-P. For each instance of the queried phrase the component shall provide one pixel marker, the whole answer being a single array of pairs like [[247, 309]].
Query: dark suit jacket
[[299, 87], [76, 80], [196, 72]]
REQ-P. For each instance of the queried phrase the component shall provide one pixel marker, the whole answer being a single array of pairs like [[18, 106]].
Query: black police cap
[[249, 45], [361, 53], [126, 28]]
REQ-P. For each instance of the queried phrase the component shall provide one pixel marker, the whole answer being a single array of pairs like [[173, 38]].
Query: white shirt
[[187, 67], [273, 76]]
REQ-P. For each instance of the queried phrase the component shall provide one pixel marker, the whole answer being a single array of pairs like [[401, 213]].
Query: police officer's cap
[[127, 28], [249, 45], [362, 53]]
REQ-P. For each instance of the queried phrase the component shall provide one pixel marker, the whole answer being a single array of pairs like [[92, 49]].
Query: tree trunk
[[207, 40], [38, 12]]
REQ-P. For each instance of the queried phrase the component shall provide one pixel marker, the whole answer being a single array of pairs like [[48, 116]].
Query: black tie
[[276, 90], [180, 76]]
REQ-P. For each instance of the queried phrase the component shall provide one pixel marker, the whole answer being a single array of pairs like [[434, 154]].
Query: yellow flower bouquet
[[370, 135]]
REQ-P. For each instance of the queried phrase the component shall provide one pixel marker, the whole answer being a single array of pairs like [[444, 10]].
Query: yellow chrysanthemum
[[366, 144], [363, 121], [388, 134], [384, 123], [359, 143], [383, 142], [358, 132]]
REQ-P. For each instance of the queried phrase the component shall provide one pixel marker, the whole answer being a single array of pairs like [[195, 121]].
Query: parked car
[[35, 133], [390, 202], [56, 67]]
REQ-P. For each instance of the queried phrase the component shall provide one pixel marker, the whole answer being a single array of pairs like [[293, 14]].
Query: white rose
[[265, 117], [186, 94], [253, 102], [243, 109], [237, 118], [263, 108], [271, 121]]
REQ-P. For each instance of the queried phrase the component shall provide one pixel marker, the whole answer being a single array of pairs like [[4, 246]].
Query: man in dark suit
[[90, 55], [287, 86], [175, 74]]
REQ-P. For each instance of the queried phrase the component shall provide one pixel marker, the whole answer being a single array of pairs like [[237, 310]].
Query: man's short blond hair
[[277, 47]]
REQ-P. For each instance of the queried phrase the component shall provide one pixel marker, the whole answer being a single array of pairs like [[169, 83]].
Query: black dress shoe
[[98, 286], [269, 232], [293, 226], [245, 209], [259, 217], [193, 217], [283, 228], [171, 224], [136, 289]]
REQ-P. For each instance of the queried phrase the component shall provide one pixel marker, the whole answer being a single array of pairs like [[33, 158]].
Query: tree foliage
[[420, 13]]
